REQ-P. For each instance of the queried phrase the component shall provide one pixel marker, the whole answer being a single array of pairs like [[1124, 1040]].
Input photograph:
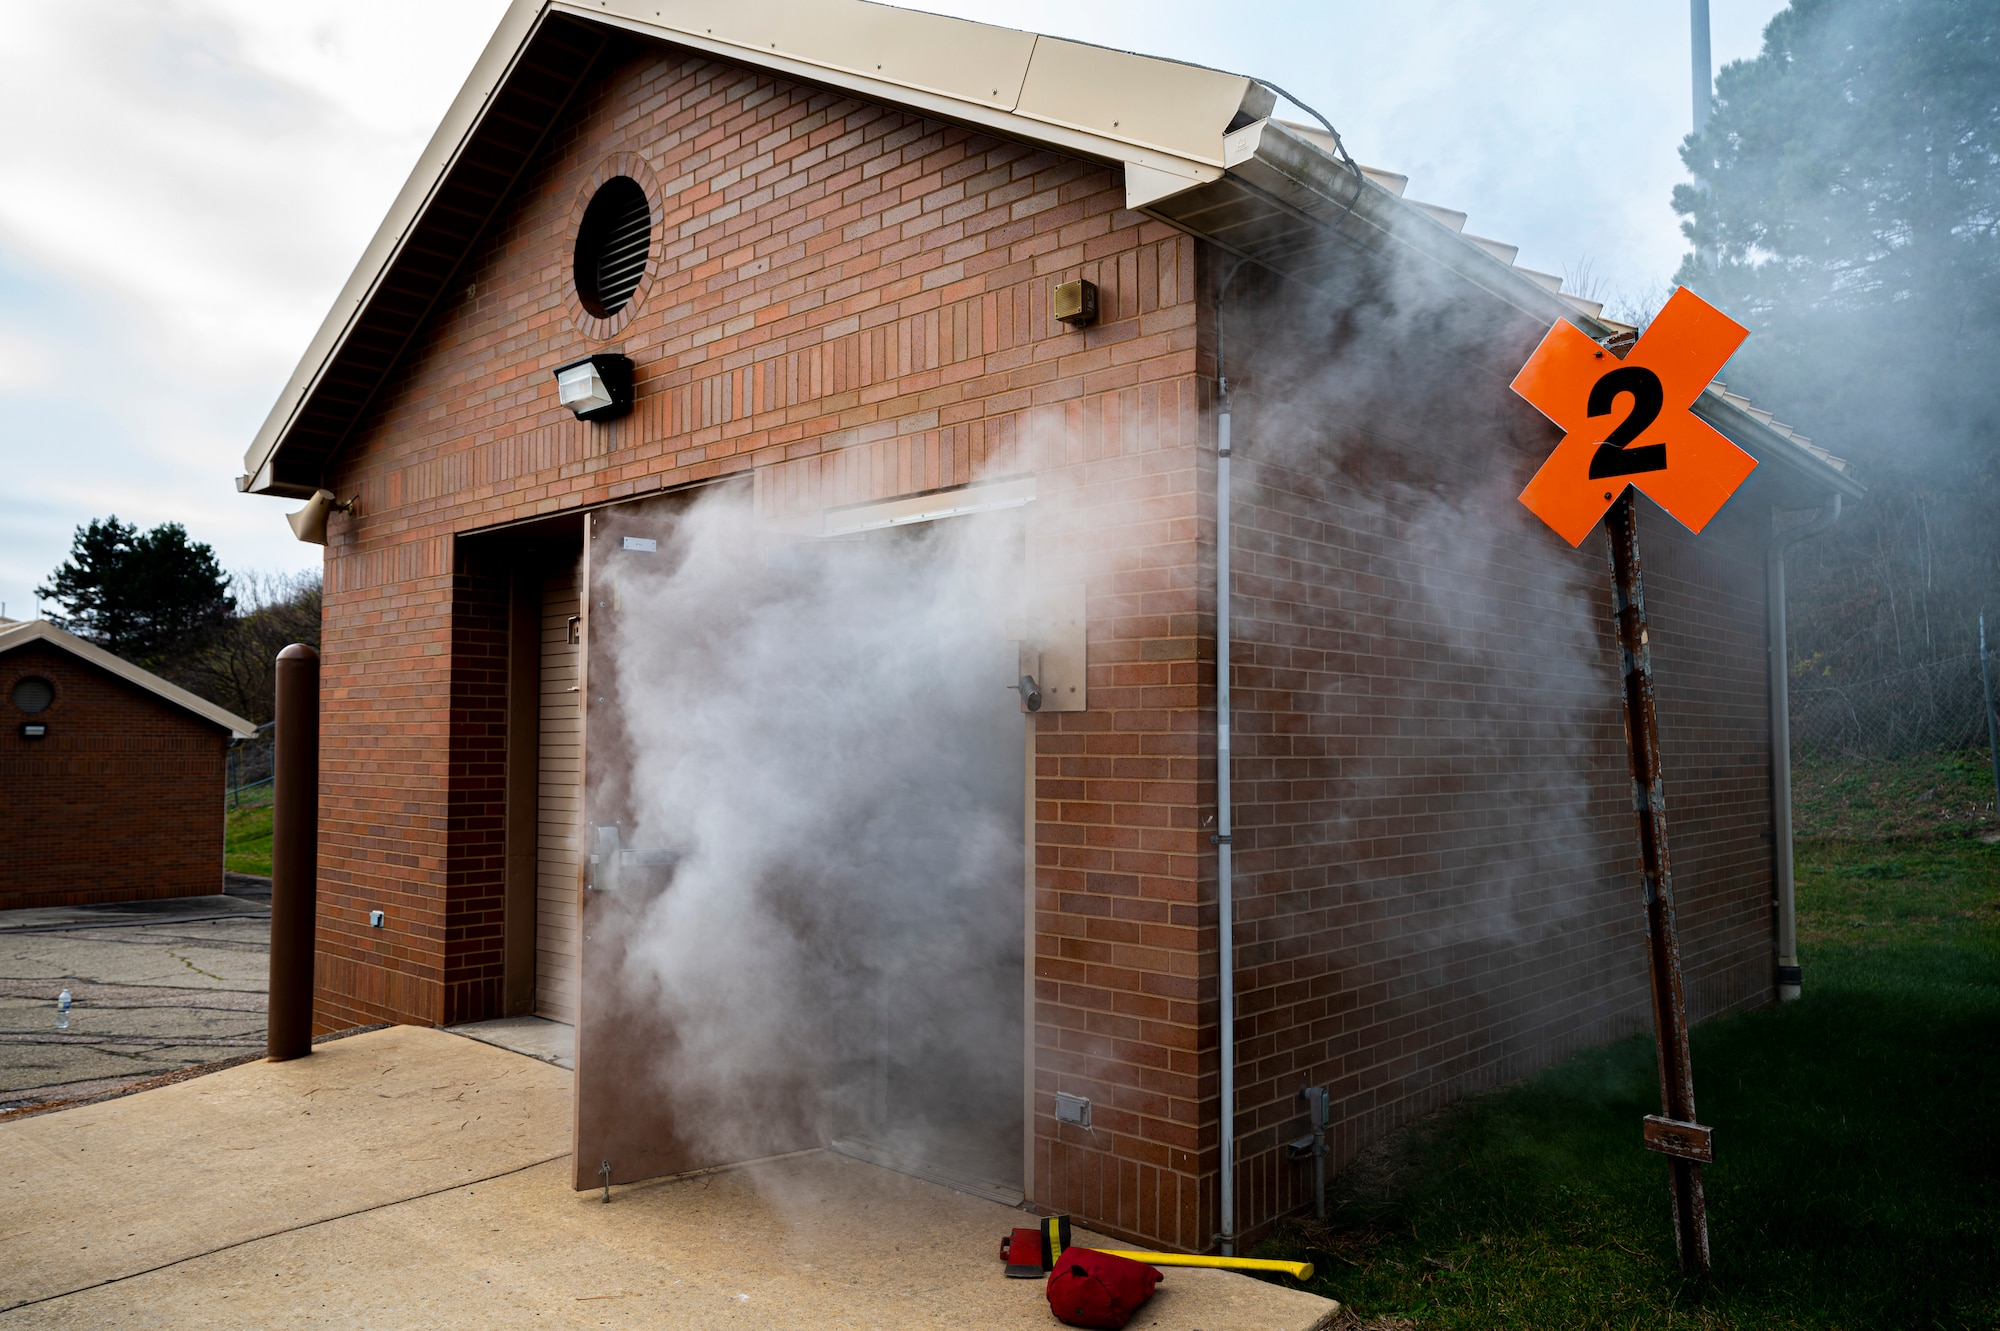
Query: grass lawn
[[247, 834], [1895, 799], [1857, 1179]]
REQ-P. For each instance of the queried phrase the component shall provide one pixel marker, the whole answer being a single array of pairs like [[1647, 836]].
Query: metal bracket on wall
[[609, 859], [1051, 638]]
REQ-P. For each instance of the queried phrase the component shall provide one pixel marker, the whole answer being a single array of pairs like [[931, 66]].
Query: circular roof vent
[[33, 694], [611, 246]]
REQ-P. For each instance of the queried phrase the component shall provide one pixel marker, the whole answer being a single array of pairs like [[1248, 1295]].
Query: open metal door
[[625, 1128], [901, 1081]]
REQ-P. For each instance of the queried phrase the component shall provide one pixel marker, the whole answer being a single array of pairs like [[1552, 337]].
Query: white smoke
[[823, 730]]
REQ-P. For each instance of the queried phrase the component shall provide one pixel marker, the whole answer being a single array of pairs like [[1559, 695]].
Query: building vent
[[34, 694], [611, 246]]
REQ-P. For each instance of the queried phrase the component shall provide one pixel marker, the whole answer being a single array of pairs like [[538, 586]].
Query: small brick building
[[849, 227], [111, 778]]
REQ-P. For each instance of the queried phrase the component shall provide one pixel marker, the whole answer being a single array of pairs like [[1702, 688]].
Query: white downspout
[[1789, 978]]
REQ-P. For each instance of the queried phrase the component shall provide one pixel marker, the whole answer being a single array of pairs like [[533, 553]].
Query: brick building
[[827, 238], [111, 778]]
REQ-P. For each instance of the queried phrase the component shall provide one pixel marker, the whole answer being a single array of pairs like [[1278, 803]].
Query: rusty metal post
[[1674, 1131], [294, 854]]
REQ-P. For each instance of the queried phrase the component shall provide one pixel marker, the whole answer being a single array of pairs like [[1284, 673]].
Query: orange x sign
[[1658, 444]]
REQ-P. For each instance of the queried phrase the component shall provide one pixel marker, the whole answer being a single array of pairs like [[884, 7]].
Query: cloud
[[27, 362], [187, 186]]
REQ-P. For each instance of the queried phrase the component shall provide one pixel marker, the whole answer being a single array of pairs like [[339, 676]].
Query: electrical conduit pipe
[[1225, 903], [1789, 977]]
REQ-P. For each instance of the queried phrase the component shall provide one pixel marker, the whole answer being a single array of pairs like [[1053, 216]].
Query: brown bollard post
[[294, 854]]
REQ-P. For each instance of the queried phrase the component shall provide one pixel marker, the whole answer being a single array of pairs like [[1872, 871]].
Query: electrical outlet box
[[376, 919], [1072, 1109]]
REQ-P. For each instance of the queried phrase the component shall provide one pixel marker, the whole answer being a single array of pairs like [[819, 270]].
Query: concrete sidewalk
[[410, 1177]]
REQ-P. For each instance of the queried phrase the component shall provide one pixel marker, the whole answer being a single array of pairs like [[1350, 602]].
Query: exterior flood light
[[309, 523], [33, 729], [596, 388]]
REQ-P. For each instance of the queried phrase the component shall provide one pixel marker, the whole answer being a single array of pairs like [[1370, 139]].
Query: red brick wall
[[1436, 863], [121, 801], [1705, 600], [853, 301], [475, 882]]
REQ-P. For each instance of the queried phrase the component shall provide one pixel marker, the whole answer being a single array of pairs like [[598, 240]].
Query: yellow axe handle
[[1296, 1270]]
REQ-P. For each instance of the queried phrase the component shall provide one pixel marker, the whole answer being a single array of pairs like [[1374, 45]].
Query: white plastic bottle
[[62, 1010]]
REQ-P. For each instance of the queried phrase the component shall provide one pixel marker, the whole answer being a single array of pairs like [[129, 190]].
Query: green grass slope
[[1857, 1173]]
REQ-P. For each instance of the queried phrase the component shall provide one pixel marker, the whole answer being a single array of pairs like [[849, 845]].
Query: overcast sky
[[185, 184]]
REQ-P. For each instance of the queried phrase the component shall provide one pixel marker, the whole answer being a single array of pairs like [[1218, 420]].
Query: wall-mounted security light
[[309, 523], [1075, 303], [34, 730], [596, 388]]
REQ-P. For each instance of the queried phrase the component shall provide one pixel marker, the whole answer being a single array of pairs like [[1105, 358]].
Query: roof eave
[[1288, 204], [1811, 478], [516, 28]]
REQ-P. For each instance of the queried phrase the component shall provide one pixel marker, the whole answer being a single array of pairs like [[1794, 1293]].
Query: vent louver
[[34, 694], [611, 246]]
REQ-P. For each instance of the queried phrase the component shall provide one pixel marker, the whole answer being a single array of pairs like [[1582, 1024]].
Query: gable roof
[[1197, 148], [13, 636]]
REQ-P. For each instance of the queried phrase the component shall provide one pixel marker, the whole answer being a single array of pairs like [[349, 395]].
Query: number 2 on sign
[[1612, 458]]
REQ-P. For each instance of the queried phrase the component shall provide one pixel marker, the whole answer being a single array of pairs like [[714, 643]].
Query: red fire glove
[[1096, 1289]]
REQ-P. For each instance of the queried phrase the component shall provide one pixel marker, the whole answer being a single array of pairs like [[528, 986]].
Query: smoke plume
[[826, 736]]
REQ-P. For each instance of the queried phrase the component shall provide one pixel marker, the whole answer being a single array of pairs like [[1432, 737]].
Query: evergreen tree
[[1848, 213], [144, 596]]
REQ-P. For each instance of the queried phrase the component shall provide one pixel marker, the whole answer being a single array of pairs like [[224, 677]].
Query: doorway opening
[[943, 1076], [805, 901]]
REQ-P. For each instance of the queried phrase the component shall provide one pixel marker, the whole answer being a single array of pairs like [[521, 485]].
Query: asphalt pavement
[[155, 987]]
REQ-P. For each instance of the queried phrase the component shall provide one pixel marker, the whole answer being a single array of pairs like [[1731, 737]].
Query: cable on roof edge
[[1339, 147]]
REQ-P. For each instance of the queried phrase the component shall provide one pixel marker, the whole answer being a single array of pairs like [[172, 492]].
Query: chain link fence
[[250, 767], [1936, 707]]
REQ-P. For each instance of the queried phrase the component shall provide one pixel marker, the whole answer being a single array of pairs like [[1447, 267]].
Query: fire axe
[[1031, 1252]]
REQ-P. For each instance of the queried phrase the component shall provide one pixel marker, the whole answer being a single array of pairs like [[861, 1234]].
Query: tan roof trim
[[1128, 107], [40, 630], [1161, 119]]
